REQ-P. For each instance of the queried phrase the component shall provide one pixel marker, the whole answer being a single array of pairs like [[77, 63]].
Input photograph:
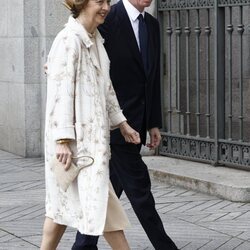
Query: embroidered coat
[[81, 105]]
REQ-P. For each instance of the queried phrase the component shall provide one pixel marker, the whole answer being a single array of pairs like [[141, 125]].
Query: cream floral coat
[[81, 105]]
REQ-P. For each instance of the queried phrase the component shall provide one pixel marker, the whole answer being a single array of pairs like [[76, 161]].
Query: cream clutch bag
[[65, 178]]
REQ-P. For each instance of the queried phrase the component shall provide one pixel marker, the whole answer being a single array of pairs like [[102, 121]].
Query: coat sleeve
[[62, 64], [114, 111]]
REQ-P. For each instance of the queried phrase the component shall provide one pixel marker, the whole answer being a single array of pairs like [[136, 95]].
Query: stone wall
[[27, 30], [12, 91]]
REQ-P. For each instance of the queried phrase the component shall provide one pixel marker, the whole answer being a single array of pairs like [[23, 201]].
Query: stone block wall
[[12, 103], [27, 30]]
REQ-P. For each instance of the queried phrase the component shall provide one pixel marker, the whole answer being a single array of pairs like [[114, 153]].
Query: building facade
[[27, 30], [194, 127]]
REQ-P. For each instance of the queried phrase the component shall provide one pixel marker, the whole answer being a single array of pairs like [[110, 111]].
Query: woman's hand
[[64, 154], [129, 133]]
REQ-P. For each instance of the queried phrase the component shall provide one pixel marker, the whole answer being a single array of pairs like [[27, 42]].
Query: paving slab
[[195, 220]]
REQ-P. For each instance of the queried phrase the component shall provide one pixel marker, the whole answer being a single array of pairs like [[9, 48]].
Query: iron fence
[[206, 80]]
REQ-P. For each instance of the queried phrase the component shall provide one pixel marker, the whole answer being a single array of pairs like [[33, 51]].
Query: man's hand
[[129, 133], [155, 138], [64, 154]]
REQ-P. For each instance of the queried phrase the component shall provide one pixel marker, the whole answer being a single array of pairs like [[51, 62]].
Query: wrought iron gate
[[206, 80]]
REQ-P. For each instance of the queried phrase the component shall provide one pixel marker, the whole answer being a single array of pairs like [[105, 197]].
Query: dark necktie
[[143, 39]]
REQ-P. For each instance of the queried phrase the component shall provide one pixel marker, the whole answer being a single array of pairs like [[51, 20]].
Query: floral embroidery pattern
[[81, 105]]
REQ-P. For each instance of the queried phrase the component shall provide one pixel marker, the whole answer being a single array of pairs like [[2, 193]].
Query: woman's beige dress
[[82, 106]]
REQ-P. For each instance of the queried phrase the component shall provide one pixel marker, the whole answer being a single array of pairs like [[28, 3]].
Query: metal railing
[[206, 80]]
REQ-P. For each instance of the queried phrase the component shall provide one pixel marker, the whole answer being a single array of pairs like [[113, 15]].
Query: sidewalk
[[194, 220]]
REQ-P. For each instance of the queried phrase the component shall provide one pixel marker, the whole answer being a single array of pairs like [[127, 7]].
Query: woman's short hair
[[75, 6]]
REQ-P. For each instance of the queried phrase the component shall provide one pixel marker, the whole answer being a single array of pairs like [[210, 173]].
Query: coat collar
[[79, 30]]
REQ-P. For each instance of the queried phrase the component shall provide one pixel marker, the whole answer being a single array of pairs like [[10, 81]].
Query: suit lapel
[[128, 32]]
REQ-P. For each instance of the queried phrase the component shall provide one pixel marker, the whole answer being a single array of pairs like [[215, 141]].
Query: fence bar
[[178, 68], [230, 68], [240, 30], [208, 32], [169, 34], [197, 31], [187, 32], [219, 78]]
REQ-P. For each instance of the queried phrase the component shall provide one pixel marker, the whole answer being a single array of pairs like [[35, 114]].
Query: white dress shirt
[[133, 14]]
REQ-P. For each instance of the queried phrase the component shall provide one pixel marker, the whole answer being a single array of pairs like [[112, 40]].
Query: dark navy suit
[[138, 93]]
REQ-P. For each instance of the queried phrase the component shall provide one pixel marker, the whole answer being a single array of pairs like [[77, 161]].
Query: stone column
[[12, 102], [27, 28]]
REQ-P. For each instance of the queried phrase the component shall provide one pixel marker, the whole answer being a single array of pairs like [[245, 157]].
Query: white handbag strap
[[84, 156]]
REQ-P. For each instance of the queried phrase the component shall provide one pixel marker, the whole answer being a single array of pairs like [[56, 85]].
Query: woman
[[81, 108]]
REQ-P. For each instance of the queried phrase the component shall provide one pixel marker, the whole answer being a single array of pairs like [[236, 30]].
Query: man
[[135, 75]]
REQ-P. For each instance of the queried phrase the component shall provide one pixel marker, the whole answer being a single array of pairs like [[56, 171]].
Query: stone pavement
[[194, 220]]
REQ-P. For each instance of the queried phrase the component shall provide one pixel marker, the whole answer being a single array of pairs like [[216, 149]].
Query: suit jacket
[[138, 92]]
